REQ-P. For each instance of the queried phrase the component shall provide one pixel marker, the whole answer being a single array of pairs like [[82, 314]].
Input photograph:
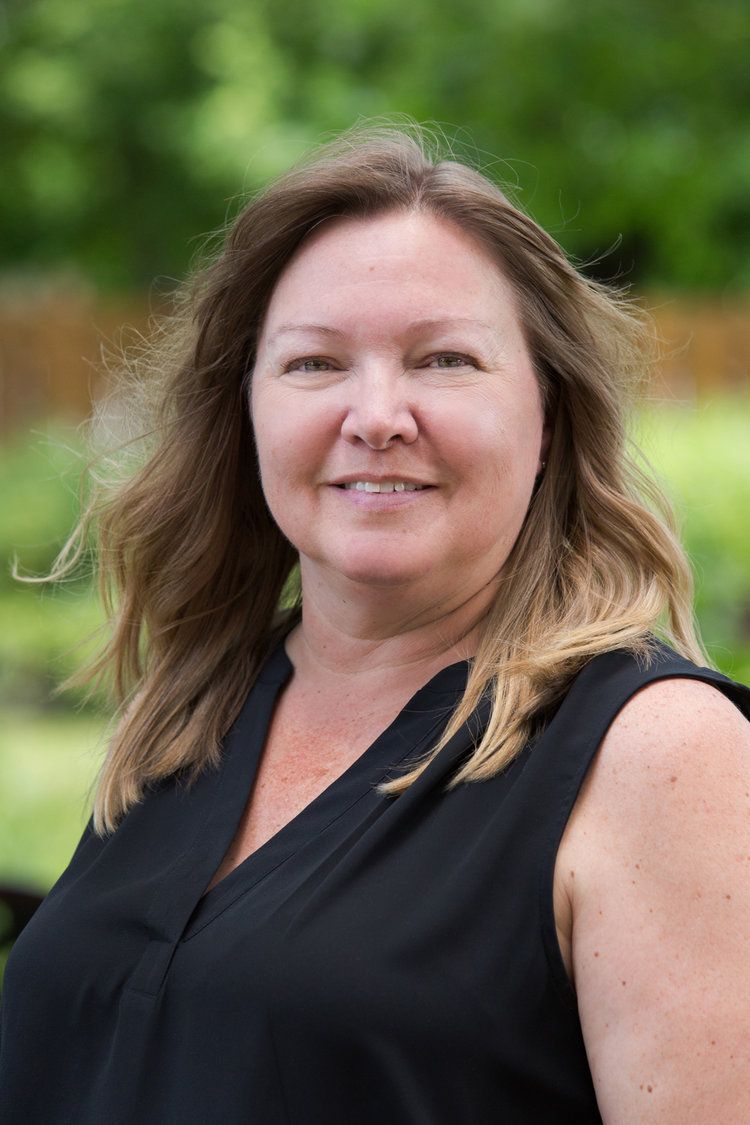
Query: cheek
[[271, 452], [291, 449], [289, 422], [278, 433], [500, 441]]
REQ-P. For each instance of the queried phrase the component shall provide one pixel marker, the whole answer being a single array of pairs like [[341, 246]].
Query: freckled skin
[[673, 967], [391, 350], [671, 998]]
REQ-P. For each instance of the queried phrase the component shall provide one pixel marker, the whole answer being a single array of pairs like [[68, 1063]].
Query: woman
[[474, 848]]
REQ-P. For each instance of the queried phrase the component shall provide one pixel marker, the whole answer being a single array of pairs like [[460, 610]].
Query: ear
[[544, 446]]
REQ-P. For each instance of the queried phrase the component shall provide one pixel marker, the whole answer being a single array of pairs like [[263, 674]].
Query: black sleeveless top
[[378, 960]]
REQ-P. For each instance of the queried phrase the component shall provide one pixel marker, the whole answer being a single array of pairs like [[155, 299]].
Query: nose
[[379, 412]]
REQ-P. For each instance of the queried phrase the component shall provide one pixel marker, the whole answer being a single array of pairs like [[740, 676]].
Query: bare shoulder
[[678, 730], [659, 842], [673, 767], [677, 711], [679, 747]]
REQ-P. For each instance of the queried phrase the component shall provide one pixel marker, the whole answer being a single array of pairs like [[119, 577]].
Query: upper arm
[[660, 844]]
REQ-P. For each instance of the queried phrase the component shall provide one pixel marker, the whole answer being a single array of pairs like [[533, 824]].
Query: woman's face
[[397, 416]]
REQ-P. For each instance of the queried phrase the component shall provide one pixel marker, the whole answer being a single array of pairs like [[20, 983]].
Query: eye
[[310, 364], [448, 361]]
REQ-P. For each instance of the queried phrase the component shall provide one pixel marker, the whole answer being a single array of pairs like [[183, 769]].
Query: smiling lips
[[382, 486]]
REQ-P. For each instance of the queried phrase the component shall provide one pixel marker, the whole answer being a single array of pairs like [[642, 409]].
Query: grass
[[47, 765], [702, 455]]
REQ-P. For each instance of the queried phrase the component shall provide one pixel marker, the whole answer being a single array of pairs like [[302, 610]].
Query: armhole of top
[[630, 686]]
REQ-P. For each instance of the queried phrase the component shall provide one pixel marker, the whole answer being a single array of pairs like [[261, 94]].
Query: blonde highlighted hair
[[193, 569]]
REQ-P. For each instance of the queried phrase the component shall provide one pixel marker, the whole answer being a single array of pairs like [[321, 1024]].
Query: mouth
[[382, 486]]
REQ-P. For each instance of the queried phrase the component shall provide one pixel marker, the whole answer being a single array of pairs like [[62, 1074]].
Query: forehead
[[412, 262]]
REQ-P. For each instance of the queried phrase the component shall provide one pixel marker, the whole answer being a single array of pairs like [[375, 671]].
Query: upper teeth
[[383, 486]]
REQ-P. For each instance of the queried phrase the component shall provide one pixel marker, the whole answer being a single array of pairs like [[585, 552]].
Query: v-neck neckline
[[241, 761]]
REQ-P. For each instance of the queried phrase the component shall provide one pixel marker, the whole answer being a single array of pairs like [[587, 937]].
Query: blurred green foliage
[[129, 128], [39, 480], [47, 766], [46, 634], [702, 457], [49, 748]]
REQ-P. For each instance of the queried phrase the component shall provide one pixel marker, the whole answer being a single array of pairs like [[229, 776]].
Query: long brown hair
[[192, 568]]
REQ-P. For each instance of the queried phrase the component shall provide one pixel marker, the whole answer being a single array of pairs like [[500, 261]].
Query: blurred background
[[132, 131]]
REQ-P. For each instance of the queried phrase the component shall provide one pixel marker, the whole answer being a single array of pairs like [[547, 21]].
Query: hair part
[[197, 578]]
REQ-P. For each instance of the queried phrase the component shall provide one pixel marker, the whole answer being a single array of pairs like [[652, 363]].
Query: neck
[[383, 635]]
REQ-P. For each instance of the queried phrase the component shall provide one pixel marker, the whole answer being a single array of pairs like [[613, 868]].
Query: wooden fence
[[51, 352], [705, 346], [51, 345]]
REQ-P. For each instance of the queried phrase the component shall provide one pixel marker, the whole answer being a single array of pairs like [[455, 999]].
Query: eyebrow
[[415, 327], [283, 329]]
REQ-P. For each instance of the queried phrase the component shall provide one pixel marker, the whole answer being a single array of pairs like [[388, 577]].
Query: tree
[[131, 130]]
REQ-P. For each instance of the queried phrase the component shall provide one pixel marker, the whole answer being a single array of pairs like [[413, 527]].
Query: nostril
[[378, 431]]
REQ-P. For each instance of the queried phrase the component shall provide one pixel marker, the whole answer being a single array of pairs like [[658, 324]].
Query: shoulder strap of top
[[559, 762]]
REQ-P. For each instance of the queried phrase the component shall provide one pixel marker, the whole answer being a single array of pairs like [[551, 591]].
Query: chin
[[379, 571]]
